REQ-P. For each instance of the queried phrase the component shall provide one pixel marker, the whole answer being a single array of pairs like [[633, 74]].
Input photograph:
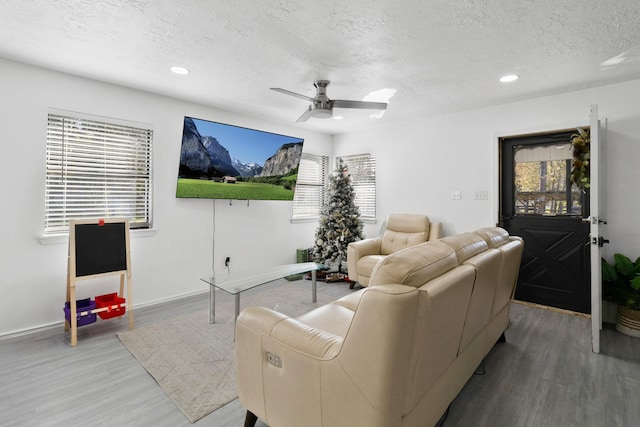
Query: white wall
[[420, 163], [164, 265]]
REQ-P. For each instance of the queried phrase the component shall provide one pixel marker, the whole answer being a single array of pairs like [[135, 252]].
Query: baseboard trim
[[60, 324]]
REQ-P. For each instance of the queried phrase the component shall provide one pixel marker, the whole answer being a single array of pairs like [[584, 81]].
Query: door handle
[[590, 220], [600, 241]]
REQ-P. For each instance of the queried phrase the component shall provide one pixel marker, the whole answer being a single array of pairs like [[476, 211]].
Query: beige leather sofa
[[401, 231], [393, 354]]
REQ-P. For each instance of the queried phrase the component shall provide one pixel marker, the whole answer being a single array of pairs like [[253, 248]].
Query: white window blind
[[362, 168], [96, 170], [310, 187]]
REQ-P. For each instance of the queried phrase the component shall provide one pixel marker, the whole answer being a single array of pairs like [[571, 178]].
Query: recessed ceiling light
[[180, 70], [509, 78]]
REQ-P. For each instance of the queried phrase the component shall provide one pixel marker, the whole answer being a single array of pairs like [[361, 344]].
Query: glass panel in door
[[542, 181]]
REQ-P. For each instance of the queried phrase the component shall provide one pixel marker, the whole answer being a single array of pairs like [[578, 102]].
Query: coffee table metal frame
[[238, 282]]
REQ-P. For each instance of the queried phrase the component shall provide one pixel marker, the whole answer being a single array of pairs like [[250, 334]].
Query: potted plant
[[621, 284]]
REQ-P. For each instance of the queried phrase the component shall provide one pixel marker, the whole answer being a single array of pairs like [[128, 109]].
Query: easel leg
[[67, 323], [73, 316], [121, 293], [129, 299]]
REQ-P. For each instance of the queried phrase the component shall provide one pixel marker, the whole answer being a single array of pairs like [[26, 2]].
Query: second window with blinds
[[362, 168], [312, 181]]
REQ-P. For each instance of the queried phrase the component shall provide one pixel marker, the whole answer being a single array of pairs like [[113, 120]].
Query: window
[[96, 169], [310, 187], [362, 168], [542, 181]]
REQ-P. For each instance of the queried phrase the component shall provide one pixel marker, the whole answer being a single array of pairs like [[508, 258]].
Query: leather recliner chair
[[401, 231]]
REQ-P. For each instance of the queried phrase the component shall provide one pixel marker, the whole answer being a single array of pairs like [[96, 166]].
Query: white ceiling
[[441, 55]]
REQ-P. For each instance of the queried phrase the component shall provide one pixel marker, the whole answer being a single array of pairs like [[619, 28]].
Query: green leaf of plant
[[608, 272], [623, 265]]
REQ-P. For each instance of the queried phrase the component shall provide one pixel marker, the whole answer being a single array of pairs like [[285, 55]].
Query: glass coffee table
[[237, 282]]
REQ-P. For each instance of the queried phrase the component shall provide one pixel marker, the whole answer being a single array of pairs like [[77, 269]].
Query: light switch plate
[[481, 195]]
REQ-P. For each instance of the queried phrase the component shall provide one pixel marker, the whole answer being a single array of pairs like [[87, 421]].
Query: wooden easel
[[97, 248]]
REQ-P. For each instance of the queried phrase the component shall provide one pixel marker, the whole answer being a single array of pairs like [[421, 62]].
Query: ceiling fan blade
[[305, 116], [341, 103], [288, 92]]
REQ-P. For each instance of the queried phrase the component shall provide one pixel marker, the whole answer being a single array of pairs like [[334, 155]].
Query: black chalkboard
[[100, 248]]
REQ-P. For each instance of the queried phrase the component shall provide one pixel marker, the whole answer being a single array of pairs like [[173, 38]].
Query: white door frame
[[594, 210]]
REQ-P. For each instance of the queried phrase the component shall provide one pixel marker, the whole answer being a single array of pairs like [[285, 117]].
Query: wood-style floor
[[545, 375]]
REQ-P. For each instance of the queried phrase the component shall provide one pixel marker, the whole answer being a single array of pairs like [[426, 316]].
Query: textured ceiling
[[440, 55]]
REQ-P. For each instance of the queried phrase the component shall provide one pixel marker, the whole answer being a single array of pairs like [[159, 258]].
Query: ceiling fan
[[322, 107]]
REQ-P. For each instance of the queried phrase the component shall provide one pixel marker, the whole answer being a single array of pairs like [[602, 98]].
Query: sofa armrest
[[289, 332], [278, 361], [359, 249], [306, 340], [365, 247], [260, 319]]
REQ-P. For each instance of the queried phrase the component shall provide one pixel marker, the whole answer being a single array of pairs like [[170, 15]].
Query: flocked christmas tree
[[340, 222]]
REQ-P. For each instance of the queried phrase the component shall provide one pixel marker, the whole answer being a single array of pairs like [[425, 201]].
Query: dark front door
[[539, 204]]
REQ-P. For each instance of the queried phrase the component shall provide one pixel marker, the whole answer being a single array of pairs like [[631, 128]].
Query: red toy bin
[[109, 300]]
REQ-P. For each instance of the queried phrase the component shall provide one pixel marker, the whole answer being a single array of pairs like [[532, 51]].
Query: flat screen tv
[[222, 161]]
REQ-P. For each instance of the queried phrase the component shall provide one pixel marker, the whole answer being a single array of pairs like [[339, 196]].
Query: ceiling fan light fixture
[[321, 113], [509, 78]]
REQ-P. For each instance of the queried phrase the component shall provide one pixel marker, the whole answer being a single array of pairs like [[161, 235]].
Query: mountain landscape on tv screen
[[204, 157]]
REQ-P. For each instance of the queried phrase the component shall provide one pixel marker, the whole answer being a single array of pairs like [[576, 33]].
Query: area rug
[[193, 361]]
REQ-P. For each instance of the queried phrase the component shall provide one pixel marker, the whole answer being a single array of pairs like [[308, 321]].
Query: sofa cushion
[[494, 236], [465, 245], [442, 310], [414, 266], [404, 230]]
